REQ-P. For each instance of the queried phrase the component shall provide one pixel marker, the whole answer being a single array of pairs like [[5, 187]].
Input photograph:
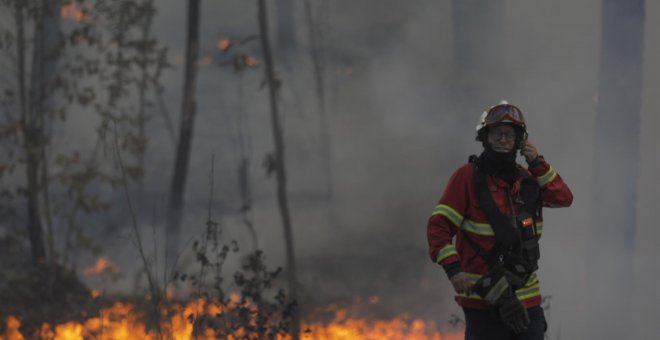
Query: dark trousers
[[486, 325]]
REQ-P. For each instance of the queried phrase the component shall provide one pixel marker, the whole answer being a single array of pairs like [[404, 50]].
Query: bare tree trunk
[[158, 91], [30, 135], [244, 146], [615, 171], [45, 54], [177, 189], [48, 35], [279, 163], [286, 34], [316, 56], [314, 53], [142, 93]]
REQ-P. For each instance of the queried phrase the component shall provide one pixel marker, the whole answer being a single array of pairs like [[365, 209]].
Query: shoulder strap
[[489, 257], [503, 225], [530, 193]]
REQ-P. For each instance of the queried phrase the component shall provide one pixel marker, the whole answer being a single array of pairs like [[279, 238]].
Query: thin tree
[[316, 55], [241, 62], [286, 34], [45, 55], [615, 170], [31, 133], [244, 148], [177, 189], [73, 69], [277, 163], [143, 86]]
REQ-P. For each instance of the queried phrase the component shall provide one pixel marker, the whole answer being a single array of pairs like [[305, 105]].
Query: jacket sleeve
[[554, 192], [445, 221]]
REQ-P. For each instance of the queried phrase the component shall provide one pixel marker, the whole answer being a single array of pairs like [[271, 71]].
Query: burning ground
[[193, 321]]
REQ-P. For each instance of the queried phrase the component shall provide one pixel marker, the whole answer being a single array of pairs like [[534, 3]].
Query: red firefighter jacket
[[458, 214]]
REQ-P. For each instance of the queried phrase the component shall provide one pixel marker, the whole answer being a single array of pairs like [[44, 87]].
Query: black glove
[[492, 286], [496, 290], [512, 312]]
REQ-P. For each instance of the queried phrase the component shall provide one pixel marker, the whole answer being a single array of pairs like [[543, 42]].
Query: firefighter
[[492, 209]]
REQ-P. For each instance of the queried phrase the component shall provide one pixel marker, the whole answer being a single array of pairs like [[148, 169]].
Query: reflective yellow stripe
[[528, 292], [473, 277], [457, 220], [533, 279], [547, 177], [472, 296], [483, 229], [446, 252], [531, 289], [449, 213], [478, 228]]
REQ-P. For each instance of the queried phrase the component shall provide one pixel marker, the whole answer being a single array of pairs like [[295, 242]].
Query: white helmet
[[503, 112]]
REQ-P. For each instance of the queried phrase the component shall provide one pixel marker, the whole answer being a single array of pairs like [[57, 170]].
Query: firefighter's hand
[[461, 283], [512, 312], [529, 151]]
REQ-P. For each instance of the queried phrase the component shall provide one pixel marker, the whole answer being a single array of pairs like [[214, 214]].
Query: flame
[[12, 332], [398, 328], [344, 328], [122, 321], [73, 11], [224, 44], [102, 266]]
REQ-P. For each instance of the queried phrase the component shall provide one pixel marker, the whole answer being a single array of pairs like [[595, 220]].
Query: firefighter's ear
[[523, 141]]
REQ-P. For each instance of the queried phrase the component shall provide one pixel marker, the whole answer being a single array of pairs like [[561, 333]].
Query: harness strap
[[503, 225], [479, 251], [507, 232]]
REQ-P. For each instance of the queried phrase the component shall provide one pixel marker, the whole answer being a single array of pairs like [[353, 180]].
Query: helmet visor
[[505, 113]]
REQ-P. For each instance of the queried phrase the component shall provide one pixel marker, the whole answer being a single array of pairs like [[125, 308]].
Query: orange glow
[[224, 44], [398, 328], [343, 327], [122, 321], [12, 333], [169, 293], [94, 293], [73, 11], [234, 298], [102, 265], [250, 61]]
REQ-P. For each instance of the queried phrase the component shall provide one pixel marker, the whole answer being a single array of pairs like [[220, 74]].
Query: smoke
[[397, 134]]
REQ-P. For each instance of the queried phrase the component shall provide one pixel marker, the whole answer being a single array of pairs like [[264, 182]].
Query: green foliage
[[105, 62], [261, 312]]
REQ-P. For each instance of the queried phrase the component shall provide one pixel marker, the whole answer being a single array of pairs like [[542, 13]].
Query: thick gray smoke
[[396, 137]]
